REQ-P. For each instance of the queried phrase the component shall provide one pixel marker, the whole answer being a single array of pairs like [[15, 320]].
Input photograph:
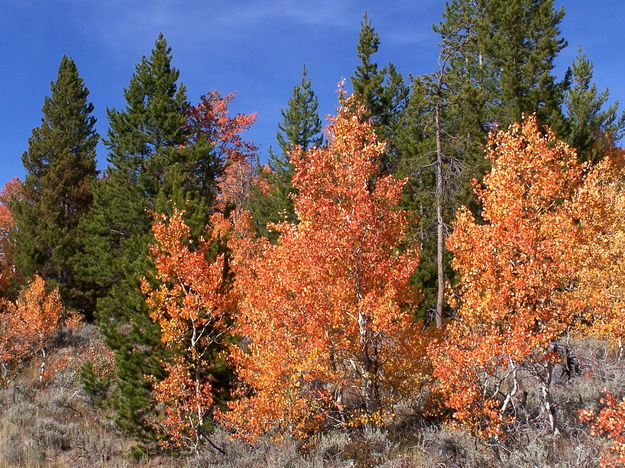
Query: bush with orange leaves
[[192, 306], [516, 270], [28, 324], [609, 422], [10, 191], [210, 122], [599, 208], [325, 314]]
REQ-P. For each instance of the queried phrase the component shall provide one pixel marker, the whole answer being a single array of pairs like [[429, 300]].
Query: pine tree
[[301, 125], [417, 146], [382, 91], [60, 171], [495, 65], [300, 128], [521, 40], [590, 127], [499, 58], [143, 142]]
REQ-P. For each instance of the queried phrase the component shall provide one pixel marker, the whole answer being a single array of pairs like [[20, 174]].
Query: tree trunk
[[369, 371], [440, 243]]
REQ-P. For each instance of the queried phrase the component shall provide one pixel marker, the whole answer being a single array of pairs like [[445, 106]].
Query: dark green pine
[[521, 39], [60, 171], [496, 65], [368, 80], [143, 142], [300, 128], [590, 128], [301, 125], [498, 58], [382, 91], [415, 143]]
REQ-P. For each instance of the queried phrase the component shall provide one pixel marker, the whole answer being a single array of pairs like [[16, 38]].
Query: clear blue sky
[[254, 47]]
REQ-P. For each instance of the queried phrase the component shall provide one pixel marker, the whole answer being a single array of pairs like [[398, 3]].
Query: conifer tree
[[416, 143], [495, 65], [499, 63], [382, 91], [301, 125], [591, 129], [143, 142], [60, 171], [300, 128]]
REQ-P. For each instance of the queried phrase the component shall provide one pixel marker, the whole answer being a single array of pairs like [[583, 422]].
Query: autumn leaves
[[327, 309], [318, 326], [515, 271], [322, 319], [544, 261]]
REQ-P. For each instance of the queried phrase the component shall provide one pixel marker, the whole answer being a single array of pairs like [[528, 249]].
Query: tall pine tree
[[300, 128], [590, 127], [496, 63], [60, 171], [144, 142], [382, 91], [499, 58], [301, 125]]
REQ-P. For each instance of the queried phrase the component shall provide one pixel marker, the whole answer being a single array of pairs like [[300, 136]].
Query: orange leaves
[[30, 323], [186, 401], [210, 122], [326, 312], [609, 422], [599, 210], [191, 305], [515, 269], [10, 191]]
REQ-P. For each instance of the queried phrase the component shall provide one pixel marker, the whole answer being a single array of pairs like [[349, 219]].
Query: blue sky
[[254, 47]]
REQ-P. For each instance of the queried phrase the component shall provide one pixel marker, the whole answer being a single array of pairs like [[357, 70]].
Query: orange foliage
[[610, 422], [29, 324], [210, 121], [515, 269], [599, 209], [10, 191], [191, 306], [325, 314]]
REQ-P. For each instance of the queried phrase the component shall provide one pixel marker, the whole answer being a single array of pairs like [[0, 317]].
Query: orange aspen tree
[[599, 209], [191, 305], [210, 121], [10, 191], [515, 272], [29, 323], [325, 314]]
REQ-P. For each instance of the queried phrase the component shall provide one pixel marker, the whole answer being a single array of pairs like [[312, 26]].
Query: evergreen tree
[[300, 128], [521, 41], [590, 127], [60, 171], [495, 64], [499, 58], [301, 125], [382, 91], [417, 146], [143, 142]]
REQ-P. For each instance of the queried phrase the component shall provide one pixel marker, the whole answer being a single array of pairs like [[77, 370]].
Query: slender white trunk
[[440, 242]]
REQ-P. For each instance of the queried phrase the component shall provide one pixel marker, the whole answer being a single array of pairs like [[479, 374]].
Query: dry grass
[[55, 424]]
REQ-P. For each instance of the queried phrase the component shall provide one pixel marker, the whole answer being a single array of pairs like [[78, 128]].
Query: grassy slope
[[53, 423]]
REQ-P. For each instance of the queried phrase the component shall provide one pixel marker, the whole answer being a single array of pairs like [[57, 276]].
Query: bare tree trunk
[[545, 382], [370, 386], [440, 242], [42, 369]]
